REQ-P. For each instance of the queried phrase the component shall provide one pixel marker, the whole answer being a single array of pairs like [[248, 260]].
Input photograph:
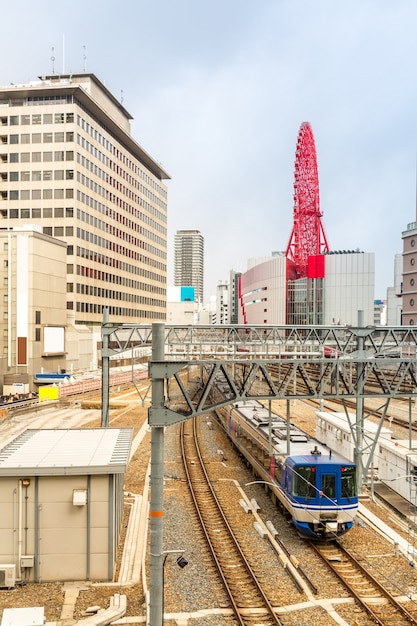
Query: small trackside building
[[61, 502]]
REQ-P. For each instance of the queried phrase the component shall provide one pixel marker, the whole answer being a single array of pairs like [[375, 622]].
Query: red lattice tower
[[308, 238]]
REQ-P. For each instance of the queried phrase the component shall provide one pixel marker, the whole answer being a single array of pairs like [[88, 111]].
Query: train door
[[328, 485]]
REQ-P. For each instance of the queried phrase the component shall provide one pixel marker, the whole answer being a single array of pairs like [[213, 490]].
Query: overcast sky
[[218, 90]]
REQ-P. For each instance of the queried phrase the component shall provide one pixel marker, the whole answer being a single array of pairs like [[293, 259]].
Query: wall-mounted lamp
[[26, 482]]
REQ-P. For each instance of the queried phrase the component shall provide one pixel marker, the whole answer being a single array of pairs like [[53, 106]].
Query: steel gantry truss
[[284, 362]]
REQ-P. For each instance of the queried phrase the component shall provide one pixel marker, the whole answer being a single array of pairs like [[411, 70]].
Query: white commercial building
[[346, 288]]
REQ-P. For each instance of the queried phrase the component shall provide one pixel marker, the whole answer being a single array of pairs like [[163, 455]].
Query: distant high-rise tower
[[189, 261]]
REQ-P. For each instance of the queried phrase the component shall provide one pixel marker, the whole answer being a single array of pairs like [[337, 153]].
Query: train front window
[[348, 478], [304, 482], [328, 485]]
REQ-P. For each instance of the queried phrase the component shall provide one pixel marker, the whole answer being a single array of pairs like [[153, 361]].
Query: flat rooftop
[[61, 452]]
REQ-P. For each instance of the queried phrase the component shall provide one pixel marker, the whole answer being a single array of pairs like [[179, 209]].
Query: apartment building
[[189, 261], [69, 165]]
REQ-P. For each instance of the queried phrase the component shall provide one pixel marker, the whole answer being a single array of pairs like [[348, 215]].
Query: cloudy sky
[[218, 90]]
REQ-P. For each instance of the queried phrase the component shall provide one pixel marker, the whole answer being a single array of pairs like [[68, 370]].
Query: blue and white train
[[315, 486]]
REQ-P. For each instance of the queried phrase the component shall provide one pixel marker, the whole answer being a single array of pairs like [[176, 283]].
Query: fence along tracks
[[376, 599], [249, 602]]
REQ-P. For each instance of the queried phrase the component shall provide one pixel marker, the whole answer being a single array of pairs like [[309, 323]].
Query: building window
[[25, 138], [37, 334], [59, 212], [37, 317], [412, 261], [411, 322], [412, 302], [59, 231], [37, 213], [47, 230], [47, 194], [14, 195], [412, 282], [25, 213], [70, 305], [412, 243], [14, 139], [14, 176], [47, 212]]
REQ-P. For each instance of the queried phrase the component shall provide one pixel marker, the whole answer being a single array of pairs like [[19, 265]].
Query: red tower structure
[[308, 239]]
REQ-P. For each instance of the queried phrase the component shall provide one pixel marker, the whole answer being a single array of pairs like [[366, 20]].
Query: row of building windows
[[25, 138], [36, 118], [103, 292], [36, 175], [86, 307], [37, 194], [38, 213], [37, 157]]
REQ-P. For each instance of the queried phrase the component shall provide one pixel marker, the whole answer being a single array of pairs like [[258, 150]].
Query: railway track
[[247, 597], [376, 599]]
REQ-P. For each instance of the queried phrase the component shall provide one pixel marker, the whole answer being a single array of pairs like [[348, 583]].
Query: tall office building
[[69, 165], [189, 261]]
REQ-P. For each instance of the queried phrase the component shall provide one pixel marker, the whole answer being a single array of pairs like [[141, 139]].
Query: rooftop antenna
[[53, 59], [121, 96], [63, 53], [84, 60]]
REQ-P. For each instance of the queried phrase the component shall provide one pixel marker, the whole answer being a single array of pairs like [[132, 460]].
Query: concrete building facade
[[69, 164], [33, 274], [409, 284], [189, 261], [262, 297]]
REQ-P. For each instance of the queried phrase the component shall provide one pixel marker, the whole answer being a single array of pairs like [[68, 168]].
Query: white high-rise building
[[189, 261], [69, 164]]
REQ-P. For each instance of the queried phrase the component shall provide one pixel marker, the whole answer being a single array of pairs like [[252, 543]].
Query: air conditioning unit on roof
[[7, 576]]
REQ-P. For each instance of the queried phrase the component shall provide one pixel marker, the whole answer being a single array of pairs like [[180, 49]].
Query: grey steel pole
[[359, 408], [105, 373], [156, 580]]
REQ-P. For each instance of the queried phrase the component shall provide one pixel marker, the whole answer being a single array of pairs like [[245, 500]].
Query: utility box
[[27, 560]]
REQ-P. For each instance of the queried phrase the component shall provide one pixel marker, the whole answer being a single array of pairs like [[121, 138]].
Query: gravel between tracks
[[195, 587]]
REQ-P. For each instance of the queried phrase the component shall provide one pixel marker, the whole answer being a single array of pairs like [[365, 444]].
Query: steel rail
[[243, 620]]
